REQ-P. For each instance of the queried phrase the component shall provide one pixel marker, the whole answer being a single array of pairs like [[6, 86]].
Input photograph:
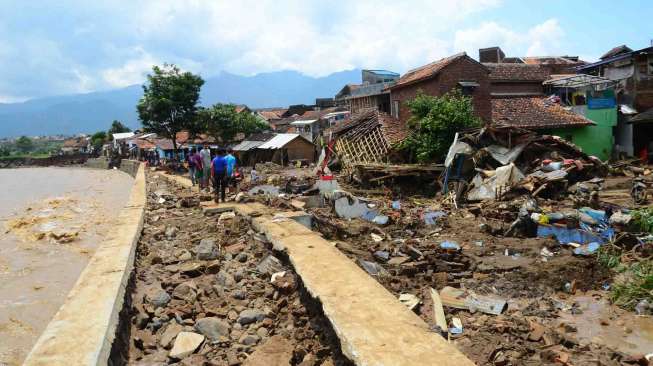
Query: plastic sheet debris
[[396, 205], [449, 245], [587, 249], [467, 300], [382, 255], [566, 236], [456, 326], [545, 252], [376, 237], [372, 268], [409, 300], [431, 217]]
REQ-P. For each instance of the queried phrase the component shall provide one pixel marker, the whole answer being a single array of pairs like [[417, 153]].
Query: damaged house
[[372, 93]]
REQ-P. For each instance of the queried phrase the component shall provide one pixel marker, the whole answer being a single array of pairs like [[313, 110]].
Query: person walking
[[205, 155], [218, 175], [192, 166], [231, 165]]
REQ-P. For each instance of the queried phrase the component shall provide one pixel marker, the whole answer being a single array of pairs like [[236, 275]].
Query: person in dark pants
[[219, 175]]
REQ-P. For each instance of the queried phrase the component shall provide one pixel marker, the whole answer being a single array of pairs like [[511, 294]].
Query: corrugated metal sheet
[[279, 141], [122, 135], [248, 145]]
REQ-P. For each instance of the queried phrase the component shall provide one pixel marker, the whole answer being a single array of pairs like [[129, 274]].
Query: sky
[[78, 46]]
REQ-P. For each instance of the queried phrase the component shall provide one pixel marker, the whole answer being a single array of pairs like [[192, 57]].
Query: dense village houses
[[76, 145], [632, 71], [371, 93], [528, 93]]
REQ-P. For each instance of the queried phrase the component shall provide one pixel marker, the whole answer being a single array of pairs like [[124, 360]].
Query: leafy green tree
[[435, 121], [169, 102], [223, 122], [24, 144], [4, 151], [98, 139], [117, 127]]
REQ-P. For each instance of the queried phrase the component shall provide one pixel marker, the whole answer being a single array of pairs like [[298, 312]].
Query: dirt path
[[203, 293]]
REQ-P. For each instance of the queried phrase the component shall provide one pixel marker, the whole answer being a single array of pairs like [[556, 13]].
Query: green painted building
[[599, 107]]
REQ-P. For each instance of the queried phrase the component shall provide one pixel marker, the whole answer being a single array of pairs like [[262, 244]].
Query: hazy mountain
[[92, 112]]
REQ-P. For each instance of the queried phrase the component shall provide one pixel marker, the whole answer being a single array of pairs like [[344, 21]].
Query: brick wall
[[446, 80]]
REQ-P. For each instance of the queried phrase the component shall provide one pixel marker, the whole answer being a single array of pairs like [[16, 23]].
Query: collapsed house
[[365, 147], [495, 162]]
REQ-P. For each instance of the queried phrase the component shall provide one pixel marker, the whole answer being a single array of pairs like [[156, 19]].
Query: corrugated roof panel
[[247, 145], [279, 141]]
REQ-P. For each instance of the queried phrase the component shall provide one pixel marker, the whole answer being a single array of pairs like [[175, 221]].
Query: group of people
[[220, 170]]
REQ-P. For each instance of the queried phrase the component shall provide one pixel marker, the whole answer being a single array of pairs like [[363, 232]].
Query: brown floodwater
[[51, 221], [602, 323]]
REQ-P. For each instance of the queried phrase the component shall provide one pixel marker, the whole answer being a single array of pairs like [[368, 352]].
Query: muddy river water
[[51, 221]]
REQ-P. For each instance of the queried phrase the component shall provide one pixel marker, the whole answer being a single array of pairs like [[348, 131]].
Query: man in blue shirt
[[231, 164], [218, 174]]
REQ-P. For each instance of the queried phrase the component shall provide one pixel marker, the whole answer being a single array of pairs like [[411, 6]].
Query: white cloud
[[540, 40], [131, 72]]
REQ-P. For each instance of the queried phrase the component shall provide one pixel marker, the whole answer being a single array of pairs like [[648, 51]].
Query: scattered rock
[[206, 250], [185, 344], [249, 316], [249, 339], [170, 333], [158, 298], [276, 351], [185, 291], [213, 328]]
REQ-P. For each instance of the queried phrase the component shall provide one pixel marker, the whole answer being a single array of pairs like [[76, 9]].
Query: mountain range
[[91, 112]]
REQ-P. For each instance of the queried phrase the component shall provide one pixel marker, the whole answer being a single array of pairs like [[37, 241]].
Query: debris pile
[[503, 162]]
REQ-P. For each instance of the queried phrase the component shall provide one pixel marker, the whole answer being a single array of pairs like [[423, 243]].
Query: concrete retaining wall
[[84, 329], [97, 163]]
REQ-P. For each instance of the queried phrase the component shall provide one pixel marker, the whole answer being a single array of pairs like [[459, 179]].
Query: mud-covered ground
[[204, 293], [557, 311]]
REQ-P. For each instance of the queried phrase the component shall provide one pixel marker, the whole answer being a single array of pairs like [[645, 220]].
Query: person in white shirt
[[205, 154]]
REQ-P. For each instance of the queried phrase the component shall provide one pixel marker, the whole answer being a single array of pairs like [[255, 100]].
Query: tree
[[435, 121], [116, 127], [169, 102], [98, 139], [24, 144], [223, 123]]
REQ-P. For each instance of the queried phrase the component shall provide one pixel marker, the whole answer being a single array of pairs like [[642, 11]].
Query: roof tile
[[534, 113]]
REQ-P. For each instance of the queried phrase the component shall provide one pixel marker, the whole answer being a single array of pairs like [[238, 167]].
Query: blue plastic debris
[[396, 205], [587, 249], [566, 236], [380, 219], [431, 217], [597, 215], [449, 245]]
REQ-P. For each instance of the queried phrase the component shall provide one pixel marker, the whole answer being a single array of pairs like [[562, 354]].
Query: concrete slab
[[373, 327], [83, 330]]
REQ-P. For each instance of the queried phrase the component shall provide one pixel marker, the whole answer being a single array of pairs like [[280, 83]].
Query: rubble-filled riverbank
[[209, 290]]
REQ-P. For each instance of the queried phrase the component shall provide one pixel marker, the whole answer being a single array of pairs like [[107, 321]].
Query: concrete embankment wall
[[57, 160], [83, 330]]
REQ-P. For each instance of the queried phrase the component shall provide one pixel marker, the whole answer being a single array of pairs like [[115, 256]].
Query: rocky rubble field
[[209, 291]]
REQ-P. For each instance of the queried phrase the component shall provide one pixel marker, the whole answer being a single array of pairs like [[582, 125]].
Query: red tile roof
[[362, 123], [534, 113], [428, 71], [516, 72], [77, 142], [268, 115], [616, 51]]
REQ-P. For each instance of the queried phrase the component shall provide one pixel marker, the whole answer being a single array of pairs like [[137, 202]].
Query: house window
[[650, 64], [468, 87], [395, 108]]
